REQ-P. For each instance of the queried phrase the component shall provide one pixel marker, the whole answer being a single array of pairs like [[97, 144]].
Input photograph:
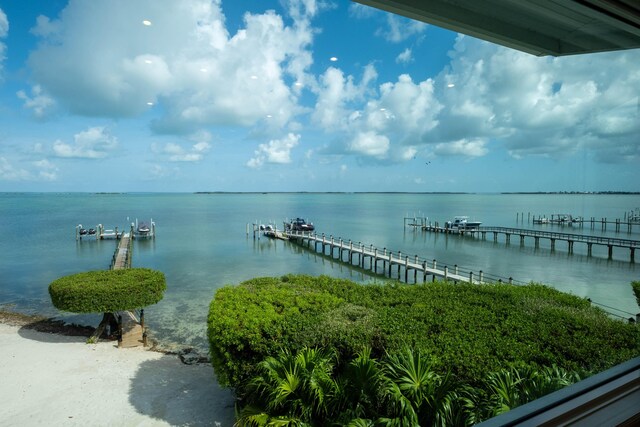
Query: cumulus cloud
[[399, 29], [94, 143], [40, 170], [463, 147], [39, 102], [405, 57], [276, 151], [8, 172], [370, 144], [337, 92], [539, 106], [531, 106], [178, 153], [97, 61], [386, 122], [4, 30]]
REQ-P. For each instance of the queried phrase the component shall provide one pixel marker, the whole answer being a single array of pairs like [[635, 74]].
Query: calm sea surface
[[202, 244]]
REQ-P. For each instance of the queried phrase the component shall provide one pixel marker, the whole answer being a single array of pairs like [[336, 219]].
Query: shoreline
[[51, 376]]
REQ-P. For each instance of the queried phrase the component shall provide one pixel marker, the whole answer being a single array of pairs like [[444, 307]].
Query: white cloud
[[177, 153], [540, 106], [399, 29], [39, 102], [98, 61], [463, 147], [370, 144], [405, 57], [46, 171], [276, 151], [41, 170], [4, 30], [94, 143], [8, 172], [336, 93]]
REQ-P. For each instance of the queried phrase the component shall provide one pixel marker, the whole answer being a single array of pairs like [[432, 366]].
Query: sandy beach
[[58, 380]]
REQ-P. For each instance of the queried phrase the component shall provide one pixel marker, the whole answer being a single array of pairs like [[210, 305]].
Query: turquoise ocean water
[[202, 244]]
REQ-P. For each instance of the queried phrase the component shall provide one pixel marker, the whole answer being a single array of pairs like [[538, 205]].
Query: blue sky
[[299, 95]]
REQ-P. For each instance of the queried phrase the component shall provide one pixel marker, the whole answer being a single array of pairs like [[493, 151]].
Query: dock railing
[[337, 247]]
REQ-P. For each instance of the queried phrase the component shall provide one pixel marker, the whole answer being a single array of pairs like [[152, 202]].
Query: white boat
[[462, 223], [143, 229]]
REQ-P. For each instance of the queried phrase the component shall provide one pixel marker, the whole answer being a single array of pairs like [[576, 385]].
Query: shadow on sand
[[179, 394], [55, 331]]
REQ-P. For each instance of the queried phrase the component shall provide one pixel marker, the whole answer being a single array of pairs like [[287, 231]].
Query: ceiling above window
[[539, 27]]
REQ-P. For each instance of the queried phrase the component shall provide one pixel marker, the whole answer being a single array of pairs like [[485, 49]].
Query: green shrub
[[636, 290], [107, 291], [469, 330]]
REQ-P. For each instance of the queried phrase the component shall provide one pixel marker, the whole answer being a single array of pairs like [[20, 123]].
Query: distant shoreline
[[103, 193]]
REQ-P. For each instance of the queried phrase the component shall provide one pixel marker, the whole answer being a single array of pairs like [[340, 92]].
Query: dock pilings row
[[358, 253], [552, 236]]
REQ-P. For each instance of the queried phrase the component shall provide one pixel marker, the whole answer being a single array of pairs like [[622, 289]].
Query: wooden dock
[[421, 268], [569, 238], [131, 328]]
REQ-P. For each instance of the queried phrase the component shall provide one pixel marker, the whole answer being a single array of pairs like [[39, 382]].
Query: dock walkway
[[337, 249], [132, 329], [570, 238]]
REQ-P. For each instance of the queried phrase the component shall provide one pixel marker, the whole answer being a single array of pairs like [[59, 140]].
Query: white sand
[[56, 380]]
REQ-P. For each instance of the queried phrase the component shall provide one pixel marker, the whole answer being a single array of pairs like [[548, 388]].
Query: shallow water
[[202, 244]]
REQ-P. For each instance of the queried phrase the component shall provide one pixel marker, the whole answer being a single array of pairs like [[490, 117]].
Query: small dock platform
[[137, 231]]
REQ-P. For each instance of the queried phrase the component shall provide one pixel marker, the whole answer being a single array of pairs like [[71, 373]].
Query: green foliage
[[307, 389], [473, 330], [107, 291], [636, 291]]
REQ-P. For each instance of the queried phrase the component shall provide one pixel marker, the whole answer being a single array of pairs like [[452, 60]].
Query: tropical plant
[[512, 387], [291, 389], [416, 393]]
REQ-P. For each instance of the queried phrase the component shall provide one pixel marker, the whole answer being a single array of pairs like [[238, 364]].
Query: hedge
[[636, 290], [107, 291], [470, 330]]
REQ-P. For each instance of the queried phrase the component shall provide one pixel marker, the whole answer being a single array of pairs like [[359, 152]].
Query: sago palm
[[417, 394], [290, 389]]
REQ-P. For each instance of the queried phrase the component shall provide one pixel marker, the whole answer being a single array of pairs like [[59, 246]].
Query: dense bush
[[469, 330], [107, 291]]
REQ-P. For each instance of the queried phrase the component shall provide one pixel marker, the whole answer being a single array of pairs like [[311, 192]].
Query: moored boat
[[299, 224], [462, 223]]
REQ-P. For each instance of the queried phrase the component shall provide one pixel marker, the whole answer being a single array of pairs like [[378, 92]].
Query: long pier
[[337, 248], [570, 238]]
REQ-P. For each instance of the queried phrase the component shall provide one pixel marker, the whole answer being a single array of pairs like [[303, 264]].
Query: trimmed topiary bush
[[108, 291]]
